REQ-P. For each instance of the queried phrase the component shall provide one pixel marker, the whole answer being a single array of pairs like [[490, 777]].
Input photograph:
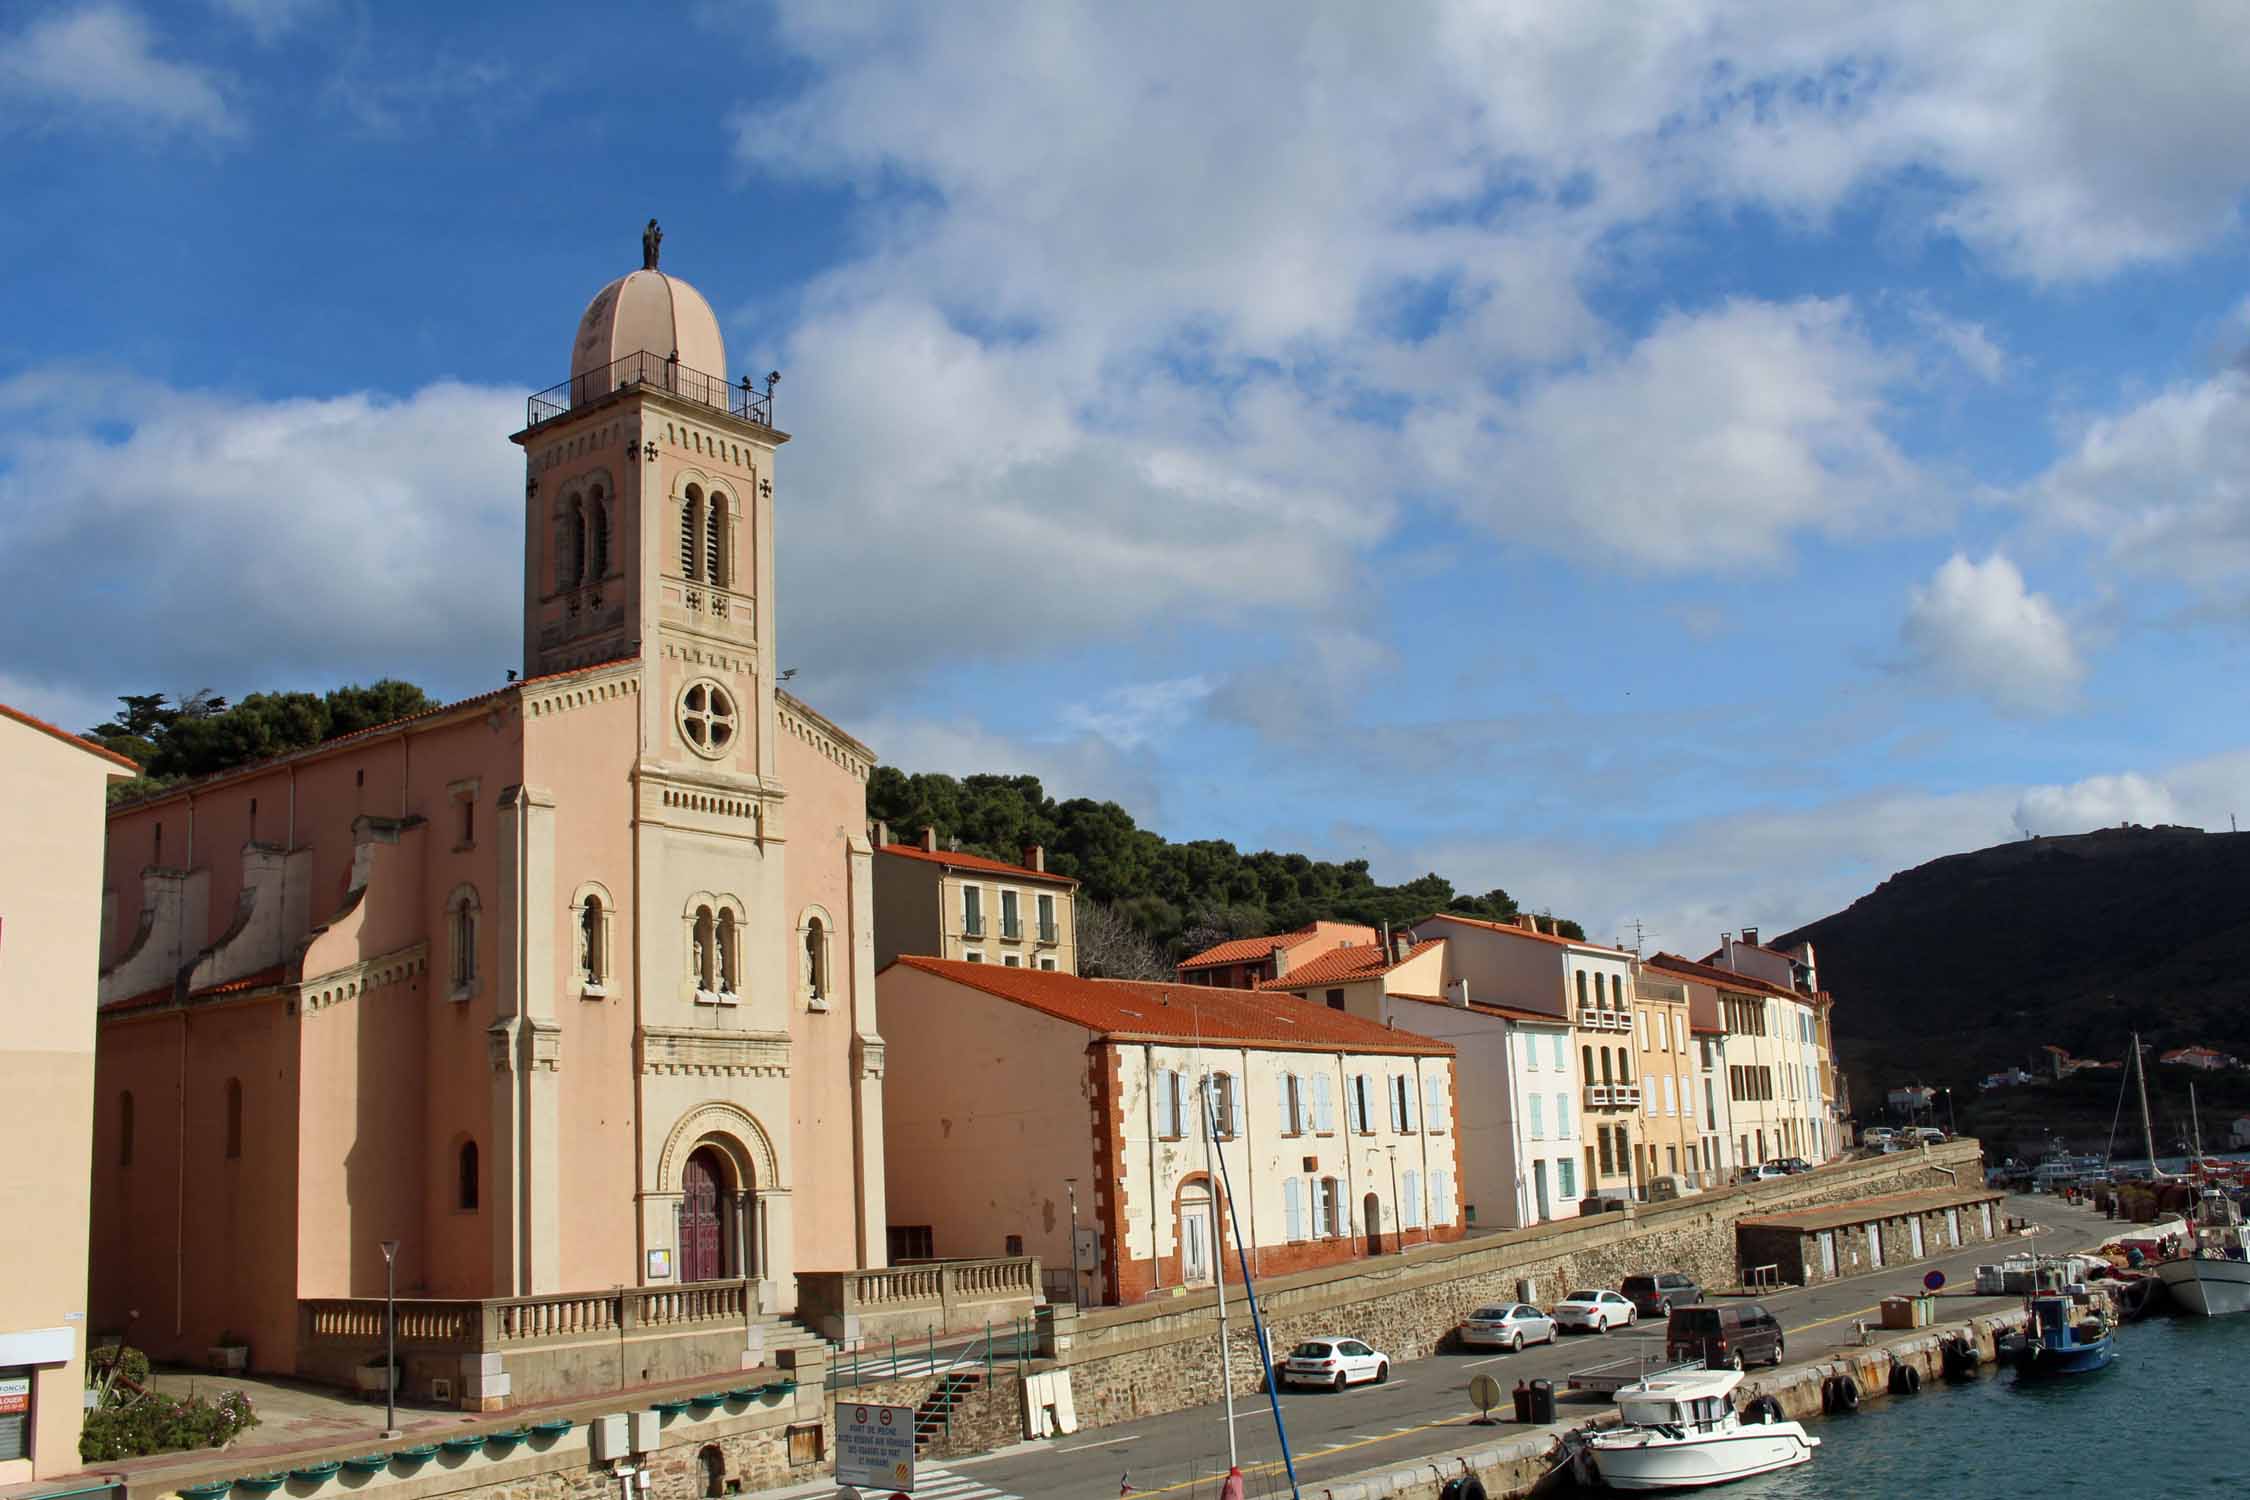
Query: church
[[566, 988]]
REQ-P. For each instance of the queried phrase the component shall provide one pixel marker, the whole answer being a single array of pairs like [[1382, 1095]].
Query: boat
[[2064, 1338], [2206, 1268], [2061, 1168], [1681, 1431]]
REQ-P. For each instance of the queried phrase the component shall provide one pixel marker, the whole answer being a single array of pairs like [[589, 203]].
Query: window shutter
[[1562, 1116], [1538, 1118], [1410, 1202], [1406, 1101], [1292, 1209], [1443, 1197], [1433, 1113], [1324, 1106]]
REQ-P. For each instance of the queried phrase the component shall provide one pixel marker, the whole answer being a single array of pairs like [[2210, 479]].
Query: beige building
[[50, 941], [1031, 1092], [1665, 1060], [1775, 1066], [941, 903]]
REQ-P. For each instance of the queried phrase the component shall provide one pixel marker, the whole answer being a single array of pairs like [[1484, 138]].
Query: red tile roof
[[1135, 1011], [1672, 963], [956, 861], [1515, 931], [67, 737], [1482, 1008], [1346, 966], [1247, 950]]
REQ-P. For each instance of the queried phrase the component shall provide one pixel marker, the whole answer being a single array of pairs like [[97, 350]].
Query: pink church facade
[[566, 986]]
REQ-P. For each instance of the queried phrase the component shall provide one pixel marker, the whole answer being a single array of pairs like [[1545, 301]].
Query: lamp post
[[1077, 1300], [1950, 1127], [390, 1338]]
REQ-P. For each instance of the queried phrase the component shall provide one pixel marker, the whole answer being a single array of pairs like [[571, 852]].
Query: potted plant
[[371, 1374], [231, 1354]]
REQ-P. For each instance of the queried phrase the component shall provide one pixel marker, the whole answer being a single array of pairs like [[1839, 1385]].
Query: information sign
[[875, 1445]]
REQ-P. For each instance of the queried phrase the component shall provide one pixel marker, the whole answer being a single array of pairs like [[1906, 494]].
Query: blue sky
[[1679, 463]]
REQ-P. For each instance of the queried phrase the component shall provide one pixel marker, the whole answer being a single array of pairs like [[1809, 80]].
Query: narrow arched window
[[1605, 1066], [1586, 1059], [691, 508], [598, 525], [125, 1128], [729, 956], [591, 959], [1624, 1066], [1617, 990], [816, 959], [715, 560], [1581, 986], [574, 539], [466, 1189], [234, 1118], [705, 960], [463, 924]]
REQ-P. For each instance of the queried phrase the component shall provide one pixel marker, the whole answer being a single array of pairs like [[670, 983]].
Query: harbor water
[[2163, 1420]]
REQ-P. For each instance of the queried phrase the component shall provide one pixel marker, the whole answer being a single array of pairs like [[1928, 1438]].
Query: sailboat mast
[[2148, 1131], [1219, 1254], [2195, 1123]]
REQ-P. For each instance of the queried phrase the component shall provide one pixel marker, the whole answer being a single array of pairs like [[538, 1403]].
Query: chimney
[[1457, 993], [929, 839], [882, 833], [1402, 943], [1280, 960], [1750, 937], [1035, 858]]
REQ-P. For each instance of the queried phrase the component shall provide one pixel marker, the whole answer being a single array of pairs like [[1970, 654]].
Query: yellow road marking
[[1857, 1312], [1275, 1466]]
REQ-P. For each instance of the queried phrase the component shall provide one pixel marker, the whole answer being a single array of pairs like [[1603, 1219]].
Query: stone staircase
[[931, 1417], [786, 1333]]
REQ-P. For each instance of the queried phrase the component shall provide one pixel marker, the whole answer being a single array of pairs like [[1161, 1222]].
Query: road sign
[[1485, 1392], [1934, 1280], [875, 1445]]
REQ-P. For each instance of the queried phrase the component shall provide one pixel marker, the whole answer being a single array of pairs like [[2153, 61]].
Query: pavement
[[1424, 1409]]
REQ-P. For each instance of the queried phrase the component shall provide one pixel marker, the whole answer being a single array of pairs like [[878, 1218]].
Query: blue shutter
[[1538, 1118], [1292, 1209], [1410, 1206], [1433, 1115], [1324, 1106]]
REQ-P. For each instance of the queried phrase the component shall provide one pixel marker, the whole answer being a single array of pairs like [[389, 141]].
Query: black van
[[1728, 1335]]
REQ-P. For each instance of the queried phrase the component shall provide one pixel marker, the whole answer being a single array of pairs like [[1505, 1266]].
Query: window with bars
[[716, 560], [691, 514]]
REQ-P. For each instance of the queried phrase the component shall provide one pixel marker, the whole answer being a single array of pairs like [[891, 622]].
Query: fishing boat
[[2210, 1276], [1681, 1431], [2061, 1168], [2065, 1338]]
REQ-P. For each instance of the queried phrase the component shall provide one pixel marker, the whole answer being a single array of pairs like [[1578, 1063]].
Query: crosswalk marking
[[939, 1484]]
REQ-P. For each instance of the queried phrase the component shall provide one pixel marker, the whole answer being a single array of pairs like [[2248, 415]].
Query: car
[[1762, 1173], [1724, 1336], [1795, 1164], [1594, 1312], [1506, 1325], [1654, 1296], [1335, 1363]]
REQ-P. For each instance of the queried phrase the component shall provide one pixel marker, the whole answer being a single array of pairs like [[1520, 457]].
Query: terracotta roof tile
[[1481, 1008], [956, 861], [1346, 965], [1137, 1011], [1688, 968], [1525, 934], [1247, 950], [29, 722]]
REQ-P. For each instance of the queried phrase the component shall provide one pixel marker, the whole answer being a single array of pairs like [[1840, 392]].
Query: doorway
[[1539, 1190], [1875, 1245], [1914, 1231], [1195, 1237], [1371, 1214], [710, 1219], [1828, 1255]]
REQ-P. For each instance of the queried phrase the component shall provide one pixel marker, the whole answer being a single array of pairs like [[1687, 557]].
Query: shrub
[[130, 1362], [152, 1423]]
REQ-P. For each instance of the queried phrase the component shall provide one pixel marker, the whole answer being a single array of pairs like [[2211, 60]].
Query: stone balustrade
[[917, 1299]]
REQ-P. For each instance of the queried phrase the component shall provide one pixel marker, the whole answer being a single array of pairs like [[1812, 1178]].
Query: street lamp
[[1950, 1127], [390, 1338], [1077, 1301]]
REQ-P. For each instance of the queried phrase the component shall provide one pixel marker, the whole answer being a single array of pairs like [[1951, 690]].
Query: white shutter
[[1288, 1100], [1441, 1198], [1292, 1209], [1410, 1201], [1434, 1114], [1406, 1101], [1324, 1103]]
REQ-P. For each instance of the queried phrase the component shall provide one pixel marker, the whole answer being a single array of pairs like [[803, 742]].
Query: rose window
[[707, 718]]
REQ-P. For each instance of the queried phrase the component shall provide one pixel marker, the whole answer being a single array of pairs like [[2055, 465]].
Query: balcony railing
[[1049, 933], [1599, 1018], [651, 371], [1011, 930], [972, 925], [1597, 1096]]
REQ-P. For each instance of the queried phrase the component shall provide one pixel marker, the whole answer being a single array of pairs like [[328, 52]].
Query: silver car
[[1506, 1325]]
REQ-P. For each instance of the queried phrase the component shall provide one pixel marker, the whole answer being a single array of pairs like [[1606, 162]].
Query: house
[[1769, 1045], [1714, 1120], [1670, 1144], [566, 989], [2197, 1057], [1246, 963], [1518, 1141], [1158, 1122], [945, 904], [1911, 1100], [1530, 967], [1802, 1055], [50, 938], [2006, 1078]]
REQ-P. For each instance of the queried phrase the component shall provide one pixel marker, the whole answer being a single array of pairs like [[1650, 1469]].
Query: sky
[[1680, 463]]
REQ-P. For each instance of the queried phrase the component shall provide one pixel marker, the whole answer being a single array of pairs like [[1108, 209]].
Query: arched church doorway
[[713, 1211]]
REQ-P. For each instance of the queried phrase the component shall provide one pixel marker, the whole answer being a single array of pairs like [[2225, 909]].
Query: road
[[1425, 1408]]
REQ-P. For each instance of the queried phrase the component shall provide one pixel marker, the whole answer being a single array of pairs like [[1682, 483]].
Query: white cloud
[[1971, 344], [97, 66], [1135, 713], [269, 20], [1707, 445], [2096, 802], [2164, 487], [1974, 628], [241, 544]]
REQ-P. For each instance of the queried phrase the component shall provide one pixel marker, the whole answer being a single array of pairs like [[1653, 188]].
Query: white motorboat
[[1681, 1431], [2212, 1277]]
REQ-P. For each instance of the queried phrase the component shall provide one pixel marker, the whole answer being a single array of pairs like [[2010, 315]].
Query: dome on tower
[[650, 312]]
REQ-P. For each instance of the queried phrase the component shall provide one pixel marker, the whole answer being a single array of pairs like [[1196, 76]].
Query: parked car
[[1506, 1325], [1725, 1335], [1795, 1164], [1654, 1296], [1335, 1363], [1762, 1172], [1594, 1312]]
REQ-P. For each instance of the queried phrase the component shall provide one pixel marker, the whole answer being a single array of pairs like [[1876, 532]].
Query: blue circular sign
[[1934, 1280]]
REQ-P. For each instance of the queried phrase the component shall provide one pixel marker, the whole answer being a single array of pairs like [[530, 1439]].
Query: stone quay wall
[[1159, 1357]]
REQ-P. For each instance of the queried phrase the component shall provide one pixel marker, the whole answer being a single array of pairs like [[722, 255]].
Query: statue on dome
[[652, 243]]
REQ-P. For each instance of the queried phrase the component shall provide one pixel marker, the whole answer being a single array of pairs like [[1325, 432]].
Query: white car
[[1506, 1325], [1595, 1312], [1334, 1363]]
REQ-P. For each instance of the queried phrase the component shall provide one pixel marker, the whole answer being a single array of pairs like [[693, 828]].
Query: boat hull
[[2081, 1359], [2207, 1288], [1741, 1454]]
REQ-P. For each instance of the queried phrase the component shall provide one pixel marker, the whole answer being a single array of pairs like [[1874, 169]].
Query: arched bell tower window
[[465, 1192], [703, 950], [691, 551], [597, 522], [715, 539], [574, 544], [730, 952], [815, 928]]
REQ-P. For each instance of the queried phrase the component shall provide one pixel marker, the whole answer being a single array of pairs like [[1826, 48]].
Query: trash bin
[[1523, 1402], [1542, 1402]]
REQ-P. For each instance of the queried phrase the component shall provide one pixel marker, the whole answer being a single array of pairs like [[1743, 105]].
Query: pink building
[[1245, 963], [565, 988]]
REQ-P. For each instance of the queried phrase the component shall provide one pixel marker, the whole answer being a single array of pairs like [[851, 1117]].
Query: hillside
[[1968, 964]]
